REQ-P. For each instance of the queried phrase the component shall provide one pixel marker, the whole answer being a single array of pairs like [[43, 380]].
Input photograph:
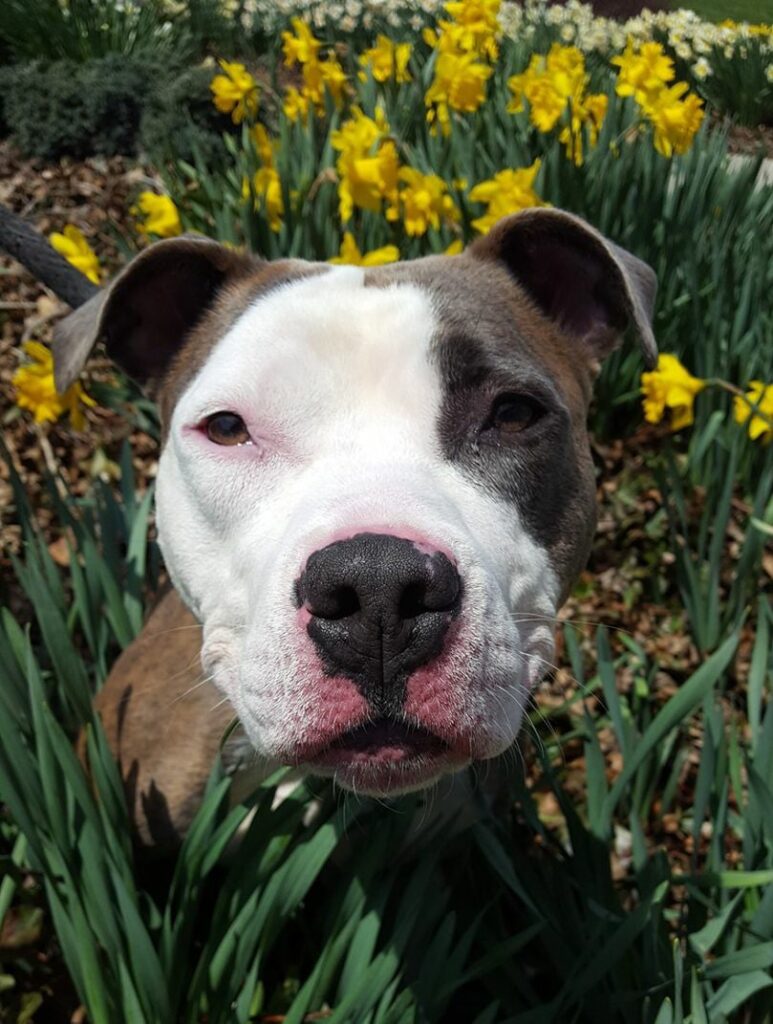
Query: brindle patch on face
[[493, 341]]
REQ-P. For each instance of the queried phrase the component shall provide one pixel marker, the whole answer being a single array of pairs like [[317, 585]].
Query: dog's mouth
[[386, 740], [381, 756]]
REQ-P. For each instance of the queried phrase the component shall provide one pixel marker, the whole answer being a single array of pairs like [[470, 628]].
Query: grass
[[739, 10]]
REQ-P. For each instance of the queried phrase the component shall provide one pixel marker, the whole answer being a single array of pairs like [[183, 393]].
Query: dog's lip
[[382, 741]]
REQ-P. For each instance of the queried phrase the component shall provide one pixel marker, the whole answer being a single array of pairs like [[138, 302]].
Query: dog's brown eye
[[513, 413], [227, 428]]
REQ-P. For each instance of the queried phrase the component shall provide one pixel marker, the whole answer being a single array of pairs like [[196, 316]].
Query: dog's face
[[375, 488]]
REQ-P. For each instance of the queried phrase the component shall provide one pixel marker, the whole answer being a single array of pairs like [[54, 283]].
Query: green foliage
[[6, 78], [69, 109], [216, 27], [699, 491], [181, 121], [738, 86], [741, 10], [111, 105], [494, 920], [83, 30]]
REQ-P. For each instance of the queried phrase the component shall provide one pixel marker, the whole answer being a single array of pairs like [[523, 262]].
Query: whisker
[[190, 690], [219, 704], [567, 620]]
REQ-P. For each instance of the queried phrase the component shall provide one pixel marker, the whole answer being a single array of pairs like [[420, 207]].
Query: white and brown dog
[[375, 492]]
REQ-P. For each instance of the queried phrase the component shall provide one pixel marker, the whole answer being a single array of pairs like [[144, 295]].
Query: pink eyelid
[[261, 441]]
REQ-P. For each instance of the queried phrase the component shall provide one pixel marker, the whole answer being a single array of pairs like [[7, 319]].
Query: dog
[[374, 493]]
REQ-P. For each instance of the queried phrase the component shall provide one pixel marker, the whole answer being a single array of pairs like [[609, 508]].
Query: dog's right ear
[[145, 314]]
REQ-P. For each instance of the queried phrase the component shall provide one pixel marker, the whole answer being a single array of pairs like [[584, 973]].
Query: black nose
[[380, 607]]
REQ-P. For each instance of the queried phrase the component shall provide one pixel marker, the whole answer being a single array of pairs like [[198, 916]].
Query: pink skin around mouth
[[390, 757], [430, 695], [426, 741]]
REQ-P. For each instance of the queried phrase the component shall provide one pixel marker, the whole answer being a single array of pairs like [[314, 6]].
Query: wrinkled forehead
[[390, 338]]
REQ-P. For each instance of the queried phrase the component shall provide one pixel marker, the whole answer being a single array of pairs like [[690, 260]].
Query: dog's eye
[[512, 414], [227, 428]]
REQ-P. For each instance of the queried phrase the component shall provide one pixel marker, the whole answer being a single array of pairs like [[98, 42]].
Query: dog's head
[[375, 488]]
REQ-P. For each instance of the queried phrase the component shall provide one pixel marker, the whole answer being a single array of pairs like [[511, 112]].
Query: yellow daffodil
[[314, 84], [333, 78], [235, 92], [589, 112], [368, 165], [319, 76], [644, 74], [350, 254], [478, 16], [296, 104], [36, 391], [264, 145], [301, 47], [595, 107], [387, 60], [643, 71], [670, 386], [761, 396], [554, 86], [459, 84], [268, 189], [266, 183], [456, 248], [160, 213], [546, 103], [474, 29], [675, 119], [368, 180], [425, 201], [71, 244], [360, 132], [505, 193]]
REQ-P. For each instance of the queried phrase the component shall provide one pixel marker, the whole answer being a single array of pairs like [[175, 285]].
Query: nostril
[[412, 601], [439, 594], [337, 603], [444, 591]]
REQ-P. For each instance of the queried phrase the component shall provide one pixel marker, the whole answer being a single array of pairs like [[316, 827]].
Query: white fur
[[337, 385]]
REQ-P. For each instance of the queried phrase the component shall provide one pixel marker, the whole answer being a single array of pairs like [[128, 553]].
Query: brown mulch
[[96, 196], [751, 141]]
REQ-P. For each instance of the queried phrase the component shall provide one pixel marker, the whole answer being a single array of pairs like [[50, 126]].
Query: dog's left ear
[[145, 314], [592, 288]]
